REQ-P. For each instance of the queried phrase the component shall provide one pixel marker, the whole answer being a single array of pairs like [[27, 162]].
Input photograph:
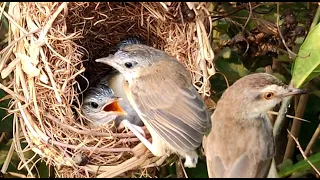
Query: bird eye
[[268, 95], [128, 64], [94, 105]]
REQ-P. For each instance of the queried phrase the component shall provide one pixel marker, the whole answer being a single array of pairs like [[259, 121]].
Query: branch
[[302, 153], [295, 129], [313, 140], [292, 55], [282, 113]]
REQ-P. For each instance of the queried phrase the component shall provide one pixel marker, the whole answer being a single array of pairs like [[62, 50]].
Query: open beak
[[294, 91], [113, 106]]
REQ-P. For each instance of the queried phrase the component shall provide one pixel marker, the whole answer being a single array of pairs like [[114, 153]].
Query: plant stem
[[312, 141], [284, 106], [295, 129], [280, 118], [315, 19]]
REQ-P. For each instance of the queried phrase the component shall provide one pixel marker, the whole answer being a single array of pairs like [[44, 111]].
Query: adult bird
[[241, 142]]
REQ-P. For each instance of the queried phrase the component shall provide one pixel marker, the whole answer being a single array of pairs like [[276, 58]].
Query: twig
[[182, 167], [289, 116], [312, 141], [88, 132], [243, 30], [281, 36], [302, 153], [85, 148], [3, 135], [13, 94], [179, 172], [295, 129], [283, 109], [17, 175], [249, 17], [282, 113], [8, 159]]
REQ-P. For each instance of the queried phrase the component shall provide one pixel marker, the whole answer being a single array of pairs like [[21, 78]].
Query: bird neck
[[116, 84], [251, 119]]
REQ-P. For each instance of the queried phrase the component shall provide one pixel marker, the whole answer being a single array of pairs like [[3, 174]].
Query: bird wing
[[237, 152], [174, 110], [244, 166]]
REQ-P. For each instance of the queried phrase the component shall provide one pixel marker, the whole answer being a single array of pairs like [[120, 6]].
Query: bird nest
[[49, 61]]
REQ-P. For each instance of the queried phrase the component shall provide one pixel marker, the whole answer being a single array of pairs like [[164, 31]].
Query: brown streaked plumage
[[159, 88], [241, 142]]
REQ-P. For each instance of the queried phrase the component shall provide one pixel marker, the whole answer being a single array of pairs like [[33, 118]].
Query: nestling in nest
[[51, 52]]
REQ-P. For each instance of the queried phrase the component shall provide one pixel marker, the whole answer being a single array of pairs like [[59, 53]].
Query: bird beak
[[294, 91], [113, 106], [110, 60]]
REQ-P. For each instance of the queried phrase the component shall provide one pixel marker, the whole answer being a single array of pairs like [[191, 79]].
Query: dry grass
[[51, 53]]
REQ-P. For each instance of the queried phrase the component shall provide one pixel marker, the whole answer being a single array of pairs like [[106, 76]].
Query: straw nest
[[49, 61]]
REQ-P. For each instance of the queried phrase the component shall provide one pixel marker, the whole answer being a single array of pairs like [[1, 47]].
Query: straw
[[54, 44]]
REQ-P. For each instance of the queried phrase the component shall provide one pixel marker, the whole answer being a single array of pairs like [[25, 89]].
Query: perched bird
[[114, 80], [159, 88], [241, 142]]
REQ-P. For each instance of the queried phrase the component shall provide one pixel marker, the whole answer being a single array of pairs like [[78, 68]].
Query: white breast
[[115, 83]]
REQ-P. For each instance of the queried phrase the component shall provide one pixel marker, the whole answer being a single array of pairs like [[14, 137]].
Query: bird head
[[100, 105], [258, 93], [132, 60]]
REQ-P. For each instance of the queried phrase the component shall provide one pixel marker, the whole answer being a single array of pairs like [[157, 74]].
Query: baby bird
[[100, 105], [109, 91], [159, 88]]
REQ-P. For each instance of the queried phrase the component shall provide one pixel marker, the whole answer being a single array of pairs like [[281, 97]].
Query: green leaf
[[307, 64], [300, 166], [43, 170], [230, 65]]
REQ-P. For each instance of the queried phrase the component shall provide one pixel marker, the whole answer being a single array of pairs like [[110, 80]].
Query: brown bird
[[241, 142], [107, 101], [159, 88]]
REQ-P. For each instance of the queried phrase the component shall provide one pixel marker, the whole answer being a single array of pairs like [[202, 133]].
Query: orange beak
[[113, 106]]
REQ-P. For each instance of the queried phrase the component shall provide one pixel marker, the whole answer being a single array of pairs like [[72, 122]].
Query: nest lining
[[50, 57]]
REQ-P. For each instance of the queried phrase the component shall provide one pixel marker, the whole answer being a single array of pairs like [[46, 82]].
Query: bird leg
[[138, 128], [136, 132], [156, 151]]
